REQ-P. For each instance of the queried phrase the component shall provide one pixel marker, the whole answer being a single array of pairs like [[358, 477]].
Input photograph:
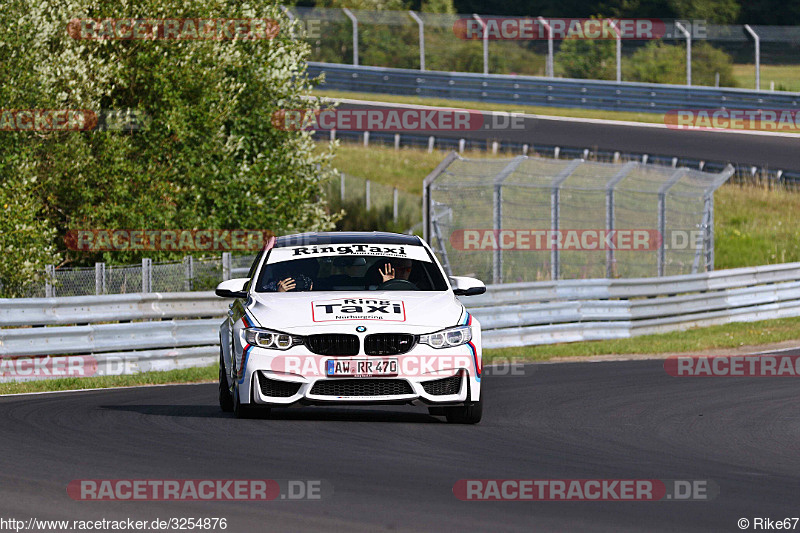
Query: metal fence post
[[49, 280], [611, 211], [497, 216], [147, 275], [341, 184], [355, 34], [226, 266], [427, 203], [99, 278], [662, 217], [757, 41], [618, 38], [709, 232], [688, 36], [394, 205], [485, 38], [188, 275], [555, 214], [366, 191], [421, 25], [549, 65]]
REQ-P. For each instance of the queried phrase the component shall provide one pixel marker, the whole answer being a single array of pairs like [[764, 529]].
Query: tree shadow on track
[[320, 414]]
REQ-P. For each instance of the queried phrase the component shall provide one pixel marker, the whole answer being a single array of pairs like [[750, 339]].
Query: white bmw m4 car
[[350, 319]]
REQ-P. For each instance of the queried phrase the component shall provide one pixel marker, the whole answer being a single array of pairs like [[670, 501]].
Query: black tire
[[239, 409], [225, 398], [465, 414], [250, 410]]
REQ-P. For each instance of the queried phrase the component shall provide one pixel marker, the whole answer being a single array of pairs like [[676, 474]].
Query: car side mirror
[[464, 286], [232, 288]]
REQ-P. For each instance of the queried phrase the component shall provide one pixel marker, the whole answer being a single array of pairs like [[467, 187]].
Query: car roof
[[346, 237]]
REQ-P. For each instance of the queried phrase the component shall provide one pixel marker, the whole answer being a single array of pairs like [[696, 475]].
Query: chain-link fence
[[432, 41], [532, 219], [190, 274], [385, 204]]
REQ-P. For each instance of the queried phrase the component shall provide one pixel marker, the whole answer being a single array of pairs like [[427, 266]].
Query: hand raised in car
[[389, 274], [285, 285]]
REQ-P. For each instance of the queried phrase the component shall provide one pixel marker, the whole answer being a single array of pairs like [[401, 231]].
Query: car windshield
[[334, 269]]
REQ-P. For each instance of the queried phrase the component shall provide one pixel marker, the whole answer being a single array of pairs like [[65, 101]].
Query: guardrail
[[577, 310], [556, 92], [141, 332], [109, 334]]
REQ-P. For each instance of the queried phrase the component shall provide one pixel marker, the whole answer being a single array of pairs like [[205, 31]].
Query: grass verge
[[186, 375], [786, 77], [692, 340], [487, 106]]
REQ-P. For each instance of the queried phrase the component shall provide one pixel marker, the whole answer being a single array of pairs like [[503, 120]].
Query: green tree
[[662, 63], [717, 11], [587, 59], [209, 156]]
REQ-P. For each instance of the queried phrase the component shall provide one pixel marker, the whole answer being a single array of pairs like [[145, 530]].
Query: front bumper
[[267, 382], [392, 390]]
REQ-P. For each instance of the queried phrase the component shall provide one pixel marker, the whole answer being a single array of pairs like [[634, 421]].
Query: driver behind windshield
[[396, 269], [302, 279]]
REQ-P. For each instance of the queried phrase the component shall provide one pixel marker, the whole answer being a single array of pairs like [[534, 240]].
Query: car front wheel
[[225, 398], [465, 414]]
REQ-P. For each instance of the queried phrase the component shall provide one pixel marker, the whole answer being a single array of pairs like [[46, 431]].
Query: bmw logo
[[361, 329]]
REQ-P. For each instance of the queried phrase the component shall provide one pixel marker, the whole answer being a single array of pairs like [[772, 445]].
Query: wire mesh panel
[[123, 279], [242, 261], [169, 277], [529, 219], [74, 282], [207, 274]]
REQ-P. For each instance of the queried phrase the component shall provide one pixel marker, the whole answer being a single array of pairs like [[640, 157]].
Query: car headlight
[[447, 338], [275, 340]]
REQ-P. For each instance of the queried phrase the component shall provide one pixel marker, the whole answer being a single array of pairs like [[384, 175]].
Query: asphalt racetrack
[[393, 468], [776, 152]]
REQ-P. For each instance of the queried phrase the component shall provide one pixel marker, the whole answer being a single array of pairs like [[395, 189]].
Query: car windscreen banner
[[389, 251]]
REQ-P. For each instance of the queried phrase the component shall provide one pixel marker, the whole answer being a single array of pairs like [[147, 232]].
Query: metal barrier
[[109, 334], [579, 310], [556, 92], [179, 330]]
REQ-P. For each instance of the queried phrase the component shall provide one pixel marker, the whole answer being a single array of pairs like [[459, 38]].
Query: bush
[[357, 218], [587, 59], [662, 63]]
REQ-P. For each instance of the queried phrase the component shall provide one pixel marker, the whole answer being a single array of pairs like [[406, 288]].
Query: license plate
[[360, 368]]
